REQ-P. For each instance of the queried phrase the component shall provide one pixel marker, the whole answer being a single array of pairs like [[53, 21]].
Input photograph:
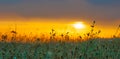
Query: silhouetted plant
[[92, 33], [14, 32], [62, 35], [67, 36], [92, 26], [4, 37], [80, 37], [116, 33], [52, 35]]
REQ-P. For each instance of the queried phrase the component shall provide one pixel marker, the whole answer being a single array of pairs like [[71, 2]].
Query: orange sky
[[37, 27]]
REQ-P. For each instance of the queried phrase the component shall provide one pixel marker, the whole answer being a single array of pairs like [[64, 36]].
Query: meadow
[[63, 46]]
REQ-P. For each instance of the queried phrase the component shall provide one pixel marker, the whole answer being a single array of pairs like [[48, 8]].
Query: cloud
[[104, 2], [84, 9]]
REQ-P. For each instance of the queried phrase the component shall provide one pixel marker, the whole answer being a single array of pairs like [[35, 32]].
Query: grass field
[[36, 48]]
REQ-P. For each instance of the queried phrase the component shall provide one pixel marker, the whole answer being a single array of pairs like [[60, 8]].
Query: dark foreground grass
[[91, 49]]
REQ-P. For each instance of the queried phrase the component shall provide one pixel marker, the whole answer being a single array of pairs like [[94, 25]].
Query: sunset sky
[[42, 15]]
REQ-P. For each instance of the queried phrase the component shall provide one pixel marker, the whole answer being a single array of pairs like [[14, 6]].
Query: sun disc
[[78, 25]]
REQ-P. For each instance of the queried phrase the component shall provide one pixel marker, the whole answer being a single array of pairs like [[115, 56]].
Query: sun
[[78, 25]]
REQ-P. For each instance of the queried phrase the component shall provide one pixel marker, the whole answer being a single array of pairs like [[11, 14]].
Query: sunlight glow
[[79, 25]]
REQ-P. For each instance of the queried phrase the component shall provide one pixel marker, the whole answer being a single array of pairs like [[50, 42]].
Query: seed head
[[67, 33], [54, 34], [92, 26], [53, 30], [80, 37], [99, 31], [14, 32], [88, 34], [62, 35], [93, 22]]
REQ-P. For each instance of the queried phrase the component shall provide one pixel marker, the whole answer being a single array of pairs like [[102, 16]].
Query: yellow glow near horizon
[[37, 27], [79, 25]]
